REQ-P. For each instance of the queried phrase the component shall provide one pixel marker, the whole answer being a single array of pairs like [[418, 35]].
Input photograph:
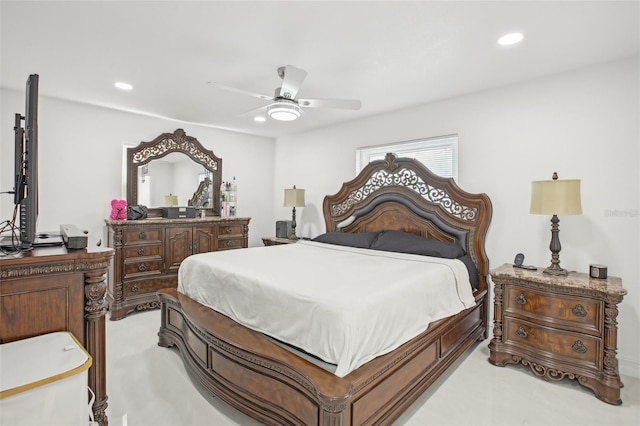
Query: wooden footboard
[[275, 386]]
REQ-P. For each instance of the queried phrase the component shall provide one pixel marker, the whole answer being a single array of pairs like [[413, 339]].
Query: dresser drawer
[[577, 313], [146, 235], [146, 250], [229, 230], [148, 286], [142, 267], [565, 346], [229, 243]]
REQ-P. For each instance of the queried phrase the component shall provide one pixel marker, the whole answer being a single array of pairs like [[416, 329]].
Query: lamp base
[[556, 270]]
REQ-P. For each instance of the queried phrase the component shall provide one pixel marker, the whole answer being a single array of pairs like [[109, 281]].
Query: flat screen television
[[26, 165]]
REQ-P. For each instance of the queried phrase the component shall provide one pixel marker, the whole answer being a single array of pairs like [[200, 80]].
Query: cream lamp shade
[[294, 197], [559, 197], [170, 200]]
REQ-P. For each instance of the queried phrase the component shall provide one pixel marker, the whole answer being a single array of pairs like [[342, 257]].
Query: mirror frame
[[163, 145]]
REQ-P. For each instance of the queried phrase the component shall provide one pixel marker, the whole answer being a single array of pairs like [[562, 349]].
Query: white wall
[[582, 124], [80, 163]]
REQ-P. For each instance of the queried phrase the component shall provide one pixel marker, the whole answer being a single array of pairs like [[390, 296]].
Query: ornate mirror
[[174, 170]]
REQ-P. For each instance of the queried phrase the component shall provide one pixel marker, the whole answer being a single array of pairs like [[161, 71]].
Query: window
[[439, 154]]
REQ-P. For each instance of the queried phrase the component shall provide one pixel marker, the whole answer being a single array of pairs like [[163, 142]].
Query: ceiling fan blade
[[291, 81], [254, 111], [330, 103], [243, 92]]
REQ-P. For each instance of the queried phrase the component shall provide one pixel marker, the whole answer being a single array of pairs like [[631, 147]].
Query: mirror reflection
[[174, 180]]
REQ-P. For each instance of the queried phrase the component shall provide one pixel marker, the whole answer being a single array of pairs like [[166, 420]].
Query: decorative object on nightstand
[[555, 197], [293, 198], [283, 228], [560, 327]]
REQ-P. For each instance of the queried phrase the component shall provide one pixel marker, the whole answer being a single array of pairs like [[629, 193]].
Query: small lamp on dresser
[[557, 198], [293, 198]]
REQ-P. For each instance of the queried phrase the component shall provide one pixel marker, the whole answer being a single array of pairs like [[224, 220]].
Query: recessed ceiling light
[[511, 38], [123, 86], [259, 119]]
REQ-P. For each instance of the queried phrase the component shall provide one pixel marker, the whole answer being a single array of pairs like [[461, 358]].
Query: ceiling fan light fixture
[[284, 111]]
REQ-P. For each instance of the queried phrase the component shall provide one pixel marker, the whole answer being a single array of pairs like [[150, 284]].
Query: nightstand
[[560, 327], [274, 241]]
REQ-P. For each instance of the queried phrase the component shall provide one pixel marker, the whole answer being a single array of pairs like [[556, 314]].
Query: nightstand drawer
[[578, 313], [561, 345]]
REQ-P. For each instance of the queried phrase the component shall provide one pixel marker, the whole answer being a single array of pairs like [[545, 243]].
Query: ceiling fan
[[284, 106]]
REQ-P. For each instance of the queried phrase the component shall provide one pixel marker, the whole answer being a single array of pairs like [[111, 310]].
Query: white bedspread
[[344, 305]]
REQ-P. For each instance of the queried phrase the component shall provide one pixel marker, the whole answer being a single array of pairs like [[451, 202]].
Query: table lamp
[[557, 198], [293, 198]]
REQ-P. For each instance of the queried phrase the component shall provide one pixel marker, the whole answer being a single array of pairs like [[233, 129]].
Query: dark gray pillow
[[361, 240], [473, 271], [403, 242]]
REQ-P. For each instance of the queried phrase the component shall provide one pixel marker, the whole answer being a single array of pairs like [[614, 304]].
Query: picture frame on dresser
[[148, 252], [559, 327]]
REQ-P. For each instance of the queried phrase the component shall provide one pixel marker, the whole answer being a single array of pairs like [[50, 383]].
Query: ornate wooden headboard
[[402, 194]]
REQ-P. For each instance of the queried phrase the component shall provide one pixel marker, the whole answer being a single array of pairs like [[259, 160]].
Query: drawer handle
[[521, 300], [229, 243], [141, 252], [142, 235], [579, 347], [142, 267], [228, 230], [579, 311], [520, 332], [135, 288]]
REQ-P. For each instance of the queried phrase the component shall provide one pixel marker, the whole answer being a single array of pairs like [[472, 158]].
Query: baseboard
[[629, 367]]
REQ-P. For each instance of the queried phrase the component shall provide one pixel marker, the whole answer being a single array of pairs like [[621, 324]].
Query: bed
[[275, 383]]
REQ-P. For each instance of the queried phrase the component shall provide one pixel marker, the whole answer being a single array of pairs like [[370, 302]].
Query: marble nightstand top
[[577, 280]]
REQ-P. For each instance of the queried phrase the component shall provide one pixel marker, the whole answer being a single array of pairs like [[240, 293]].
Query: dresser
[[560, 327], [148, 254], [51, 289]]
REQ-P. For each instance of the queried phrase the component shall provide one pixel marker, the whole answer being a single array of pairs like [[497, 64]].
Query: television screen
[[29, 204], [18, 187]]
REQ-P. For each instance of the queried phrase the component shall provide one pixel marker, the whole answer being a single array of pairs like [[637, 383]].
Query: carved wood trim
[[410, 181]]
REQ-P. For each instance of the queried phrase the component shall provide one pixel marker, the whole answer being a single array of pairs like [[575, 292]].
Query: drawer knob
[[135, 288], [142, 267], [229, 243], [521, 300], [520, 332], [141, 252], [142, 235], [579, 347], [579, 311], [228, 230]]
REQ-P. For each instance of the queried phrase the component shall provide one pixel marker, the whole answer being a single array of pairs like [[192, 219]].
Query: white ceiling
[[388, 54]]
